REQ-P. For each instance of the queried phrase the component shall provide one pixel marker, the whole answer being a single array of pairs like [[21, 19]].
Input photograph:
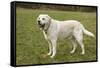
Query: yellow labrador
[[54, 30]]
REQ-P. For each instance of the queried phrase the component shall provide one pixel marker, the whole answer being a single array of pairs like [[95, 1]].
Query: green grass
[[31, 45]]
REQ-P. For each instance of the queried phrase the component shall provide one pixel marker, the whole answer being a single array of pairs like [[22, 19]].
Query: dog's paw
[[48, 53], [83, 53], [51, 56], [71, 52]]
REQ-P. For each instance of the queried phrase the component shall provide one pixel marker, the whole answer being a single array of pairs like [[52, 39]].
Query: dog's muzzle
[[41, 25]]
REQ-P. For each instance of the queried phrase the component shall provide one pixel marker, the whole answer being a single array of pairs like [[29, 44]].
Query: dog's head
[[43, 20]]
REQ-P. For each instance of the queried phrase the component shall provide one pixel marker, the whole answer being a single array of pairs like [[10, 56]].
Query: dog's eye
[[43, 18]]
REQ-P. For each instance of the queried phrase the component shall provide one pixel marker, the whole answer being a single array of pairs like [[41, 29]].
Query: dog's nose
[[39, 22]]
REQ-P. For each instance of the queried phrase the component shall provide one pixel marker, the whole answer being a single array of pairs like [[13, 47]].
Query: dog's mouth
[[42, 26]]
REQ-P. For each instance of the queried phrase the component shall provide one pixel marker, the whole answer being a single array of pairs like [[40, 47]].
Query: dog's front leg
[[50, 48], [53, 48]]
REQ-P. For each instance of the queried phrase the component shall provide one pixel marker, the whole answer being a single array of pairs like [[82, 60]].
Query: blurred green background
[[31, 45]]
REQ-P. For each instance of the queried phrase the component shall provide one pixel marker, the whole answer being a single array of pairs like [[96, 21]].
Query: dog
[[54, 30]]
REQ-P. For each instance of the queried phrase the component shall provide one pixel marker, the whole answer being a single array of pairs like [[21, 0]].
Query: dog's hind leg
[[74, 44], [79, 38], [82, 46]]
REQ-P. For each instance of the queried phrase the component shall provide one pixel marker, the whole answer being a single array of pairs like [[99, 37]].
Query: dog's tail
[[85, 31]]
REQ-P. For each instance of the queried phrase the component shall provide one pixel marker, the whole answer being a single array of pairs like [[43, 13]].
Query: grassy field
[[31, 45]]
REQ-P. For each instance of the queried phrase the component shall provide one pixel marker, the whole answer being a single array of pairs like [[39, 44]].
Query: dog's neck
[[47, 28]]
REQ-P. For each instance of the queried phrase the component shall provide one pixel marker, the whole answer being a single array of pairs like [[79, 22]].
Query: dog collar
[[46, 30]]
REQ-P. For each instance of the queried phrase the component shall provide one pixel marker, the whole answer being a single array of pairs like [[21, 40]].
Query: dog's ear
[[48, 23], [49, 18]]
